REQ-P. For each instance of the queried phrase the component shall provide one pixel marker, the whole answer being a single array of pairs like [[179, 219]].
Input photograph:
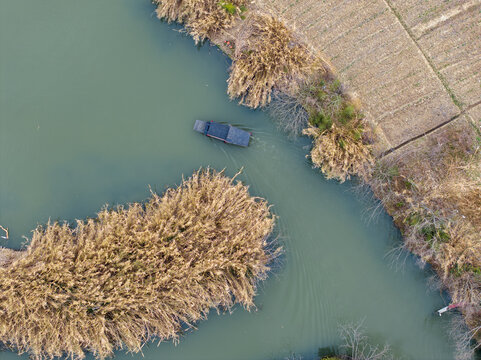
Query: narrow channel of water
[[98, 100]]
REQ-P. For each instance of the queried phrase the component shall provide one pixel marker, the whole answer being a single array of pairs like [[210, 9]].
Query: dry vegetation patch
[[341, 146], [434, 195], [7, 256], [339, 153], [268, 57], [135, 273], [202, 18]]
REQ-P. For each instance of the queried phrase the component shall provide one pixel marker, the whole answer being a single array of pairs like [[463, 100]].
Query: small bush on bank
[[336, 125], [324, 97], [348, 113], [229, 7], [135, 273], [339, 153]]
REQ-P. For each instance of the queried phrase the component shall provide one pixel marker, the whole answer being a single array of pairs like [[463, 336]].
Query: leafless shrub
[[463, 338], [357, 347], [288, 113], [135, 273], [398, 256], [465, 288], [5, 230]]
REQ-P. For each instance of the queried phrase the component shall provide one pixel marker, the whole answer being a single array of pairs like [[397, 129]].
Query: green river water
[[97, 102]]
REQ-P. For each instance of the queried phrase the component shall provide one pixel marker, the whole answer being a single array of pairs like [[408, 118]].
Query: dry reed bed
[[268, 57], [7, 256], [135, 273], [202, 18], [342, 139], [340, 154], [433, 193]]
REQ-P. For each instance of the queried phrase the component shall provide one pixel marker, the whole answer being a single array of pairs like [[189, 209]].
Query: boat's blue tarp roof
[[218, 130], [238, 136], [224, 132]]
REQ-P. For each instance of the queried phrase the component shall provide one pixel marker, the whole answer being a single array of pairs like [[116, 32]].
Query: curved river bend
[[98, 100]]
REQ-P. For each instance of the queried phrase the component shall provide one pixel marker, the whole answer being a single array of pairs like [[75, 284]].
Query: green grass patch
[[229, 7], [320, 120], [347, 114], [327, 97], [431, 233], [392, 172], [413, 219], [460, 270], [335, 86], [408, 184]]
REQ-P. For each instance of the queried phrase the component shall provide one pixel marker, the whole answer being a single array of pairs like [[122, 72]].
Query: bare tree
[[357, 347], [293, 356], [398, 256], [288, 113], [463, 338]]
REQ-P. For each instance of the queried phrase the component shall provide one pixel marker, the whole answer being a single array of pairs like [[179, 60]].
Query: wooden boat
[[226, 133]]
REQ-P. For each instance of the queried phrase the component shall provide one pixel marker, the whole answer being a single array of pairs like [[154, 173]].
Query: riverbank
[[450, 242], [266, 56]]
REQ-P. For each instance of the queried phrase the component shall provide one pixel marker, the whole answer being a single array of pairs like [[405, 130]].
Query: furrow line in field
[[427, 59], [463, 112]]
